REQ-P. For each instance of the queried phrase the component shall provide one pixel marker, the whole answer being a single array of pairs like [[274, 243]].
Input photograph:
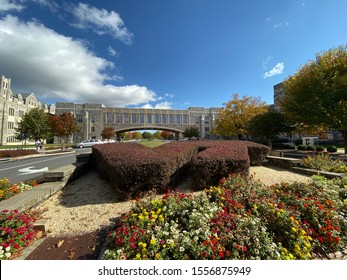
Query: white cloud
[[265, 62], [161, 105], [8, 5], [101, 22], [56, 67], [50, 4], [276, 70], [112, 52]]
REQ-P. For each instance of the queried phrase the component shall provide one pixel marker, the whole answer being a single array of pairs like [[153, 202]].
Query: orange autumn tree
[[63, 126], [233, 119], [108, 133]]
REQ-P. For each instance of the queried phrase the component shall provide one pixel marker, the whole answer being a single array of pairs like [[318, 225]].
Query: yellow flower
[[138, 256], [294, 229], [157, 256], [172, 244], [153, 241]]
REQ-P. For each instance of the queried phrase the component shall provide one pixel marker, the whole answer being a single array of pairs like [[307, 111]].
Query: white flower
[[8, 249], [8, 255], [119, 251], [181, 249]]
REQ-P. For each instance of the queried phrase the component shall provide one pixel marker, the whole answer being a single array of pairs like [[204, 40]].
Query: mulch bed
[[79, 247]]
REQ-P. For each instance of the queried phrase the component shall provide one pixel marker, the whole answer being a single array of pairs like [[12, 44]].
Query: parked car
[[88, 143]]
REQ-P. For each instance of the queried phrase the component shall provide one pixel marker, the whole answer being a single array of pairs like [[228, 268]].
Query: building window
[[149, 118], [178, 118], [163, 118], [207, 119], [21, 113], [11, 111], [10, 125], [134, 118], [142, 118], [109, 117], [126, 118], [172, 118], [156, 118], [79, 118], [92, 129], [185, 119], [93, 119], [197, 120], [118, 118]]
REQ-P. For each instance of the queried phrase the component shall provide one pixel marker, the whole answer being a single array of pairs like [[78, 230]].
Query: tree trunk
[[269, 142]]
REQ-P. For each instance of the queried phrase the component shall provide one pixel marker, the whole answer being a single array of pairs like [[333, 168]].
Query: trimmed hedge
[[134, 169]]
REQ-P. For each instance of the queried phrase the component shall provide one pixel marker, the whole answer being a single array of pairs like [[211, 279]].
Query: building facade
[[93, 118], [13, 106]]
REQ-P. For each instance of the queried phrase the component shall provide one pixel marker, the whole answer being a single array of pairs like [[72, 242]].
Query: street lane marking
[[15, 167], [29, 170]]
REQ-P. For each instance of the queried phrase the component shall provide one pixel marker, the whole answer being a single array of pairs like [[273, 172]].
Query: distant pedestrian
[[37, 144], [41, 144]]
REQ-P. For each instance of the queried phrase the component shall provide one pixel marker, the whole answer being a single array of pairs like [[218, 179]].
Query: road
[[32, 168]]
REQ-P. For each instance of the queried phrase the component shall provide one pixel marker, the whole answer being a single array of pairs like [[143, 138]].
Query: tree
[[191, 131], [146, 135], [63, 126], [269, 125], [166, 134], [108, 133], [316, 95], [137, 135], [157, 134], [233, 119], [34, 125]]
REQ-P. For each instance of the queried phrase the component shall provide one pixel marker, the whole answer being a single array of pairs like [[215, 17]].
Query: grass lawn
[[152, 143]]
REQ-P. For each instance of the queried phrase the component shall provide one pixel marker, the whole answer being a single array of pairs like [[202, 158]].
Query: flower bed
[[238, 219], [7, 189], [133, 168], [16, 232], [16, 153], [324, 163]]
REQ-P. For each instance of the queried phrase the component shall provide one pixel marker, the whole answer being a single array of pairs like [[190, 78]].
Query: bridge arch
[[177, 132]]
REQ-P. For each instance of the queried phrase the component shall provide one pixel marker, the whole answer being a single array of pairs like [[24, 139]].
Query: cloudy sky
[[161, 53]]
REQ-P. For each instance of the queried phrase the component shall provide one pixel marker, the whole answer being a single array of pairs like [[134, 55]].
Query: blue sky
[[160, 53]]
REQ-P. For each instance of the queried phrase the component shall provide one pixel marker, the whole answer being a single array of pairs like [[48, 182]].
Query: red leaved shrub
[[134, 169]]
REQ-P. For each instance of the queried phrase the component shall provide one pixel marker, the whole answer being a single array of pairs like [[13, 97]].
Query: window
[[185, 119], [142, 118], [149, 118], [126, 118], [156, 118], [197, 120], [92, 129], [178, 118], [207, 119], [21, 113], [118, 118], [134, 118], [93, 119], [172, 118], [79, 118], [109, 118], [11, 112], [163, 118], [10, 125]]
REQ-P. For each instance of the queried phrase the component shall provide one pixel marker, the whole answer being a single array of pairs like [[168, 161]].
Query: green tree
[[191, 131], [137, 135], [157, 134], [33, 125], [146, 135], [63, 126], [316, 95], [108, 133], [233, 119], [269, 125]]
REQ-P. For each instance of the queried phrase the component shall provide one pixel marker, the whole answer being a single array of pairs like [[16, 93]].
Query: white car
[[88, 143]]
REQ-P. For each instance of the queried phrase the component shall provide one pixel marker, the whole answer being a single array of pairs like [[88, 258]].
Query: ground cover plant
[[16, 153], [8, 189], [324, 162], [16, 232], [133, 168], [238, 219]]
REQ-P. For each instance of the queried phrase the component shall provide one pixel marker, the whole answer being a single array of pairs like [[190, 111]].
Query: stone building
[[13, 106], [93, 118]]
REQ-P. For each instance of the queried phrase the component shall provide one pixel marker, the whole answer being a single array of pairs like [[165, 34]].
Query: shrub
[[133, 169], [324, 163], [320, 148], [302, 147], [8, 189], [331, 149], [310, 148], [16, 153]]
